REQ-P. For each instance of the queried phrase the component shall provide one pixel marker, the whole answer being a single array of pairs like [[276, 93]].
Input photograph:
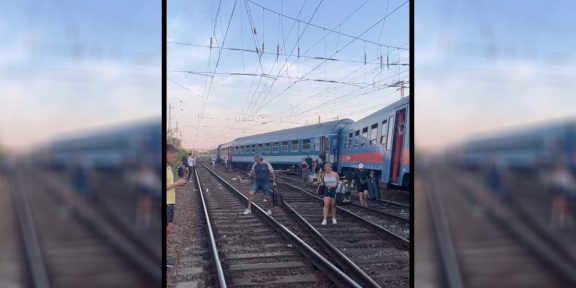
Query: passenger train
[[381, 141], [108, 148], [525, 148]]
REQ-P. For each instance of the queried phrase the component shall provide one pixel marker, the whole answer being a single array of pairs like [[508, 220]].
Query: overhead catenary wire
[[242, 50], [331, 30], [337, 51], [362, 82]]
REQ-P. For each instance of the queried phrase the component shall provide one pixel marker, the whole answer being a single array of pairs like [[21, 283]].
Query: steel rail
[[34, 257], [332, 272], [401, 241], [213, 247], [373, 210]]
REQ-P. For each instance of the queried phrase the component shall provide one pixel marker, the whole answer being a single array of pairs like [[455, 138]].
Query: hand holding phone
[[180, 182]]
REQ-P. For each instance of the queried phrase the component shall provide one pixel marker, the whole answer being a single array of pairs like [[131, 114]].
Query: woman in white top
[[330, 180]]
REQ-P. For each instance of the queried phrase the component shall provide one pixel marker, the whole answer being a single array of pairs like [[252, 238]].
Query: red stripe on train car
[[406, 156], [368, 157]]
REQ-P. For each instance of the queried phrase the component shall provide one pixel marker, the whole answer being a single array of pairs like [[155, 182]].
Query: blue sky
[[483, 66], [292, 94], [67, 66]]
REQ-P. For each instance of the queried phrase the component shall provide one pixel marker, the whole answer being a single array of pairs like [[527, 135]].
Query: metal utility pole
[[401, 86]]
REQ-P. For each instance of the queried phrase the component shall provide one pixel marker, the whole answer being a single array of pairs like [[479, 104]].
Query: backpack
[[343, 196], [277, 198], [181, 171], [259, 174]]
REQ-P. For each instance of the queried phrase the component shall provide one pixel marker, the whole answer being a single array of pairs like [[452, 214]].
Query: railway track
[[378, 259], [488, 246], [389, 221], [12, 264], [392, 208], [256, 250], [73, 247], [117, 203]]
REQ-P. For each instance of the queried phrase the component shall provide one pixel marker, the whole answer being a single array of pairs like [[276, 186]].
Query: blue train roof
[[303, 132]]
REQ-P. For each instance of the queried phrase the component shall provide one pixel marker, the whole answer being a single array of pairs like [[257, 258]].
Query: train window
[[259, 150], [275, 147], [317, 143], [253, 149], [384, 132], [284, 146], [294, 147], [356, 136], [390, 132], [364, 137], [373, 134], [349, 141], [306, 144], [267, 147]]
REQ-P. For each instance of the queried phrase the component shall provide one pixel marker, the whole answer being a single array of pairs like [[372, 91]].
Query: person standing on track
[[190, 164], [171, 157], [330, 180], [185, 165], [263, 172], [304, 167], [563, 186], [226, 166], [361, 180]]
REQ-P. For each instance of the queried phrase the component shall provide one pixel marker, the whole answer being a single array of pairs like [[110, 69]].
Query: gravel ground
[[189, 239]]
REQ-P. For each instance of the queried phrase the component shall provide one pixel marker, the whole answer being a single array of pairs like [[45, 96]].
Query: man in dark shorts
[[171, 157], [361, 180], [262, 171]]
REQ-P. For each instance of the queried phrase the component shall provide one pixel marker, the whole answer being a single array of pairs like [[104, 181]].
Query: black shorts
[[170, 213], [362, 188]]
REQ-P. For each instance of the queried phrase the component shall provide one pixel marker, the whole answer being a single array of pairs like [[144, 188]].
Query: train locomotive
[[381, 141]]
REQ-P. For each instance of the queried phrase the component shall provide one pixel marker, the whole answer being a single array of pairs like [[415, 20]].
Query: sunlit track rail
[[487, 246], [258, 250], [379, 256], [72, 247]]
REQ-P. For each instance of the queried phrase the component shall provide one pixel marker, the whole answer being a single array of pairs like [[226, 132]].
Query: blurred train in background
[[529, 148], [111, 148], [381, 141]]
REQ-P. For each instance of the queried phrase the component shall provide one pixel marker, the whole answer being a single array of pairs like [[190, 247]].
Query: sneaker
[[265, 200], [247, 212], [169, 265], [334, 221], [269, 212], [324, 221]]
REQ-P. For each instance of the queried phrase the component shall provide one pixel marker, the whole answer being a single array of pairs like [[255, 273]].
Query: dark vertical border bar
[[164, 100], [412, 141]]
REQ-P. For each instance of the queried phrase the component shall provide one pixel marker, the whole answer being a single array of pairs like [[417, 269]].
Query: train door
[[398, 146]]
